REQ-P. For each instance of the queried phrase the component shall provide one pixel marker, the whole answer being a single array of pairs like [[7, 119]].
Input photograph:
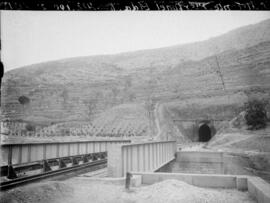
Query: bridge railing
[[12, 154], [141, 157]]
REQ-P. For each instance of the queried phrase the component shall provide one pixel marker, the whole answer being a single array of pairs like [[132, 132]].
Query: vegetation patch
[[24, 100], [30, 127], [256, 114]]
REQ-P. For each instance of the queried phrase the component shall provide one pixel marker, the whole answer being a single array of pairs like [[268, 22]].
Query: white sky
[[30, 37]]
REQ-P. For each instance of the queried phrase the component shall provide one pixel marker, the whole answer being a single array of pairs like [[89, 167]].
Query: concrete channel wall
[[257, 187], [30, 152], [209, 163], [139, 157], [199, 162]]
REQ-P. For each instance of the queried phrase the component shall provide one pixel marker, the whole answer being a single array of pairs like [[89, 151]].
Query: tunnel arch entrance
[[204, 133]]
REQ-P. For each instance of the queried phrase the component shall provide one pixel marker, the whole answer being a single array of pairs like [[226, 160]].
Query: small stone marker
[[128, 180]]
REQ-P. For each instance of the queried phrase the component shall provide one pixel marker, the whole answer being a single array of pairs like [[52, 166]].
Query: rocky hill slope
[[212, 77]]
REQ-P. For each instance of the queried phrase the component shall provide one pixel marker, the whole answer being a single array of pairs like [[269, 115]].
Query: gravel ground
[[55, 192], [84, 191]]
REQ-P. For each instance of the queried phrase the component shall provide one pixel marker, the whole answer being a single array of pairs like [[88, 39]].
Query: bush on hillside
[[30, 127], [24, 100], [256, 114]]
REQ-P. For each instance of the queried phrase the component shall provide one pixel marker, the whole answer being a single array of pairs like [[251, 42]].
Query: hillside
[[208, 79], [162, 57], [244, 72]]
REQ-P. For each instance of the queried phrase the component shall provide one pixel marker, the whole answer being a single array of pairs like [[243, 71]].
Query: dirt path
[[157, 120]]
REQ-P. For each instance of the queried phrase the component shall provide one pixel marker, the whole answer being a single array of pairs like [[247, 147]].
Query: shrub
[[24, 100], [30, 127], [256, 114]]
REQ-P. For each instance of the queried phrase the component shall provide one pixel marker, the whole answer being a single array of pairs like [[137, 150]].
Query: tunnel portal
[[204, 133]]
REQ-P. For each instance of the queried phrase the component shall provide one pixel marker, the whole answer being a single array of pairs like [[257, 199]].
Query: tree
[[150, 103], [91, 107], [150, 107], [65, 97], [256, 114], [24, 100], [30, 127], [115, 93]]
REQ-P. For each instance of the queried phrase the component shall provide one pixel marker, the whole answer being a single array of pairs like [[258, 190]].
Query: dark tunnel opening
[[204, 133]]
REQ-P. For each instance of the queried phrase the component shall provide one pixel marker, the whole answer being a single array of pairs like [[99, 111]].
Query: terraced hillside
[[117, 94], [124, 121]]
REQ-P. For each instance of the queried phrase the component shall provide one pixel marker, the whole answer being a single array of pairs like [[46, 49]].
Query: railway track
[[33, 178], [24, 163]]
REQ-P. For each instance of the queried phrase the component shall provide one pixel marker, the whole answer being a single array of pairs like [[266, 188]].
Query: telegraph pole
[[219, 73]]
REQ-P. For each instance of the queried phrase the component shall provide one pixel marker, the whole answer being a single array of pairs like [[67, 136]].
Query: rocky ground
[[251, 147], [82, 190]]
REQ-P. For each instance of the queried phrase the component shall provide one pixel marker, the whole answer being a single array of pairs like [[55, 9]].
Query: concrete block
[[259, 189], [241, 183], [176, 176], [136, 180], [214, 181], [251, 188], [149, 178], [115, 161]]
